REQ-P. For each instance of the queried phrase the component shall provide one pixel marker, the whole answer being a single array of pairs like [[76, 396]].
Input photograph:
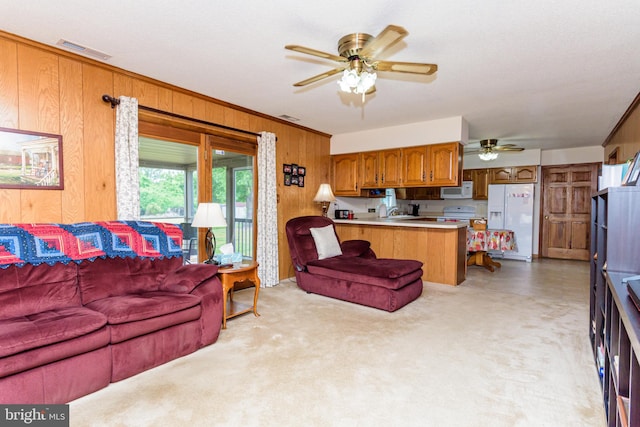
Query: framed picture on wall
[[633, 173], [31, 160]]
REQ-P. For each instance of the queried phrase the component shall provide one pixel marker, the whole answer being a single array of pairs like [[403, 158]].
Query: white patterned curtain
[[127, 181], [267, 250]]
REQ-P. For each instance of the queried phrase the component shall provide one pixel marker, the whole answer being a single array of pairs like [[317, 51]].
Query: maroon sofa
[[69, 329], [356, 274]]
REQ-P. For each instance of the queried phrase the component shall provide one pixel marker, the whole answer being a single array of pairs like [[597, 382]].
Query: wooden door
[[390, 168], [445, 165], [566, 210], [414, 160], [345, 174], [369, 169]]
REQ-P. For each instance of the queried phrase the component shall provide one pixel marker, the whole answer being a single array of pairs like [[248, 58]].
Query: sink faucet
[[393, 210]]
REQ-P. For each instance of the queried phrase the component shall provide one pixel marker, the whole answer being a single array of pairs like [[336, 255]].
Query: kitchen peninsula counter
[[441, 246]]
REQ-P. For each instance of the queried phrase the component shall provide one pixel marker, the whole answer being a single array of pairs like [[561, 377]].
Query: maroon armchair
[[349, 270]]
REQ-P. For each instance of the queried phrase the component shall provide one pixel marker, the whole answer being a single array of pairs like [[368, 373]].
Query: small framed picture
[[300, 181], [294, 169], [294, 179], [633, 173], [302, 171], [286, 168], [287, 179]]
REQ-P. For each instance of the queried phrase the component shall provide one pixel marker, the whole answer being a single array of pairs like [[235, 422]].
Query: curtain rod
[[115, 101]]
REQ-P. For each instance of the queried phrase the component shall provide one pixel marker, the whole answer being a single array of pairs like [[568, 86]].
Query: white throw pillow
[[326, 242]]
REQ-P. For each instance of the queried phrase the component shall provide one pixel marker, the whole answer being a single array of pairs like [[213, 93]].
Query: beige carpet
[[508, 348]]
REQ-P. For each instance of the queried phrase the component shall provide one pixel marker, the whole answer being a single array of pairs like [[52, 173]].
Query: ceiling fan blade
[[391, 35], [506, 148], [319, 77], [314, 52], [407, 67]]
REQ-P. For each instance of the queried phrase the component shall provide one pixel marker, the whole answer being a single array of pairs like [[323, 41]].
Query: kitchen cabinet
[[381, 169], [345, 170], [444, 164], [525, 174], [513, 175], [414, 166], [418, 193], [391, 168], [369, 169], [435, 165], [480, 178]]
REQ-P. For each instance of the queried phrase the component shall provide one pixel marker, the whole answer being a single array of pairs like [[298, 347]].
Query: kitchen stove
[[458, 214]]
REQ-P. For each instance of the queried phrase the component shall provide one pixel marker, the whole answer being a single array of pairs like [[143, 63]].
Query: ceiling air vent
[[75, 47], [290, 118]]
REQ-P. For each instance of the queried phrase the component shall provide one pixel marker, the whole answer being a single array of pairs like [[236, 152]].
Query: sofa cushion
[[104, 278], [384, 272], [135, 307], [357, 248], [56, 352], [126, 331], [326, 241], [33, 289], [48, 327], [186, 278]]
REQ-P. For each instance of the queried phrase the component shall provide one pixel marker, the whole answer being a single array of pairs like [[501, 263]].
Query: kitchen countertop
[[418, 221]]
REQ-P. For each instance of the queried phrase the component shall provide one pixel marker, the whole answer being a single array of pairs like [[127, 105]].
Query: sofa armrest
[[357, 248], [186, 278], [210, 291]]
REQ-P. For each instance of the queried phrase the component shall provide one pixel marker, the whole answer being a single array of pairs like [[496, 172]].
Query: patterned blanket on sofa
[[51, 243]]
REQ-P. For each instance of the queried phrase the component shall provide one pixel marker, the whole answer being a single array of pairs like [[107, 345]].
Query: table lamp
[[324, 196], [209, 215]]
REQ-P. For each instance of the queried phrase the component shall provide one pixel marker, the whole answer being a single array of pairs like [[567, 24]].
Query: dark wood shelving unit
[[614, 321]]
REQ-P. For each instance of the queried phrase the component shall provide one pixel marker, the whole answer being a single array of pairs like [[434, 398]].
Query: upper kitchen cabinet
[[379, 169], [414, 166], [480, 178], [444, 164], [391, 168], [522, 174], [513, 175], [369, 169], [345, 172]]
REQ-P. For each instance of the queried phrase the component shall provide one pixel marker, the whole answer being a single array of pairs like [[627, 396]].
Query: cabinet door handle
[[382, 179]]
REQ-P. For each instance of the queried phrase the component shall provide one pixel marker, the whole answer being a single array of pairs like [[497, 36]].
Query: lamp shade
[[324, 194], [209, 215]]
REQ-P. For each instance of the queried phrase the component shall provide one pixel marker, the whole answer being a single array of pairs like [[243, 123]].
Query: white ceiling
[[544, 74]]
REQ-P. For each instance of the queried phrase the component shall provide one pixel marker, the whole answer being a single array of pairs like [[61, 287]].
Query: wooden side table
[[247, 274]]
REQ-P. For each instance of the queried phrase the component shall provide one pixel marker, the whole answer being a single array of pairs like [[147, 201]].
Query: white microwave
[[465, 191]]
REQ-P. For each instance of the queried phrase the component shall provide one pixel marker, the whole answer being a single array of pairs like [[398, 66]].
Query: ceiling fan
[[358, 60], [489, 149]]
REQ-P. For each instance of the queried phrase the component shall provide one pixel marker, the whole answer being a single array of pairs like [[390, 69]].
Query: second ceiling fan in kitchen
[[489, 149]]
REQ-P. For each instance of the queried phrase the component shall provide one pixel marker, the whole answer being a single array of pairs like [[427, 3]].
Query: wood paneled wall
[[49, 90], [625, 138]]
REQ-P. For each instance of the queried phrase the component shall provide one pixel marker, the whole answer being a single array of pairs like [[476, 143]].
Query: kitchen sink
[[394, 217]]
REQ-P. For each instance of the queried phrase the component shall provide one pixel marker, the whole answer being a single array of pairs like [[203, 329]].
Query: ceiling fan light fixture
[[488, 155], [354, 82]]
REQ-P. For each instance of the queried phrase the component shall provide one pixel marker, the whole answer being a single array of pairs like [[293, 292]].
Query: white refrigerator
[[510, 207]]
